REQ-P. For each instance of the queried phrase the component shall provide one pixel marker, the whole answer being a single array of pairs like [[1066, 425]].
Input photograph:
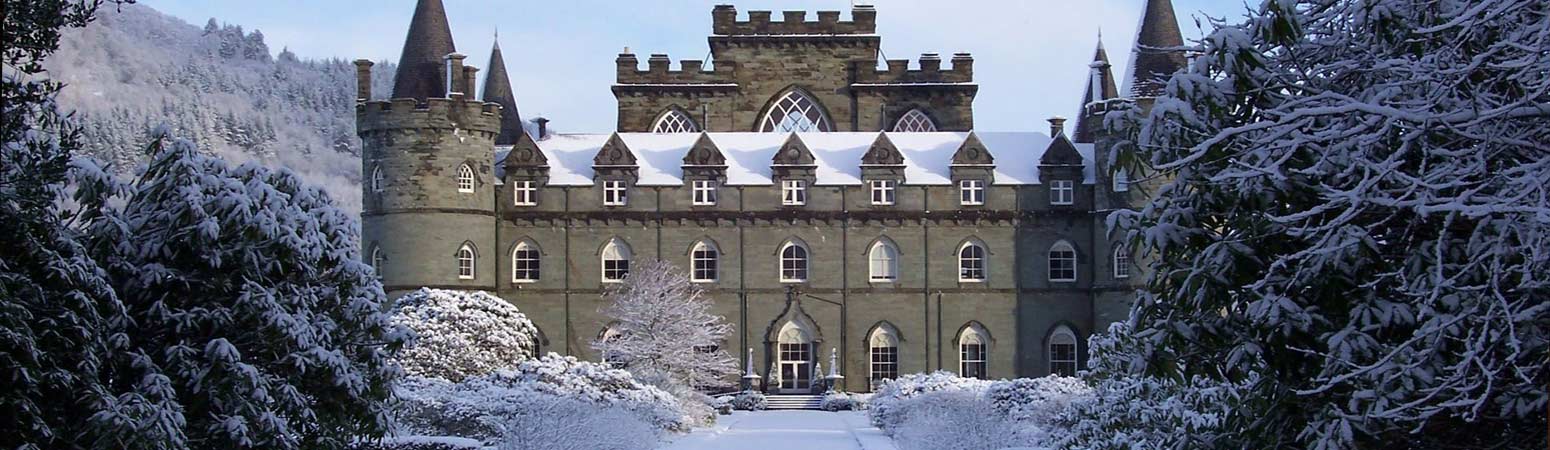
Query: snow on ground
[[785, 430]]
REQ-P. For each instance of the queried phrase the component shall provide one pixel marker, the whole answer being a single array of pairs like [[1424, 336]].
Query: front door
[[796, 367]]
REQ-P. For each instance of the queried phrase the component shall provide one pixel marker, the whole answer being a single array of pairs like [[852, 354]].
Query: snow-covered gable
[[927, 156]]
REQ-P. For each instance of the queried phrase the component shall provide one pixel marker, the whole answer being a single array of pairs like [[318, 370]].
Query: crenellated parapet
[[659, 71], [456, 113], [930, 71], [725, 23]]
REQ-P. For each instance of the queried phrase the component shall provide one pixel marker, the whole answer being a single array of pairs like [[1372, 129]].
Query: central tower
[[795, 75]]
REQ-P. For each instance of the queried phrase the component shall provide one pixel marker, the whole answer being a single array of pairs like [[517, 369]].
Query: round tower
[[428, 194]]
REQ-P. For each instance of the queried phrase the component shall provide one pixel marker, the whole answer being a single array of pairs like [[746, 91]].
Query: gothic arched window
[[971, 262], [973, 347], [914, 121], [793, 263], [883, 261], [525, 263], [674, 120], [884, 353], [1062, 352], [465, 262], [703, 262], [616, 261], [377, 179], [795, 111], [465, 179]]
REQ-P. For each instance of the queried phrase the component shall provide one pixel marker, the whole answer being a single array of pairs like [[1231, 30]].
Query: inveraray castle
[[826, 202]]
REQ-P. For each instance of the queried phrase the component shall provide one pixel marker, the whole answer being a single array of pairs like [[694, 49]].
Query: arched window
[[793, 263], [1062, 352], [973, 347], [704, 261], [795, 111], [376, 258], [1121, 261], [616, 261], [378, 181], [465, 179], [795, 349], [524, 263], [884, 261], [971, 262], [884, 351], [465, 262], [1062, 262], [674, 120], [914, 121]]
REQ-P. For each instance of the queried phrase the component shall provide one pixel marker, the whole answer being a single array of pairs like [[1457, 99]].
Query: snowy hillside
[[218, 86]]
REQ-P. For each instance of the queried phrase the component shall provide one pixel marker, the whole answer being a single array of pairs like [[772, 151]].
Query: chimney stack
[[470, 79], [543, 127], [1057, 126], [363, 80], [454, 74]]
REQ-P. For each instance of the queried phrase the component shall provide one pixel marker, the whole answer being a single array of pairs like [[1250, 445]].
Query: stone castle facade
[[828, 205]]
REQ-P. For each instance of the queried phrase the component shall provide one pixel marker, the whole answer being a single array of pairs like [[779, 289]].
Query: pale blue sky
[[1030, 56]]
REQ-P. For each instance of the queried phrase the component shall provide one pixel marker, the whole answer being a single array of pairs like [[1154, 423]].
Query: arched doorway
[[794, 354]]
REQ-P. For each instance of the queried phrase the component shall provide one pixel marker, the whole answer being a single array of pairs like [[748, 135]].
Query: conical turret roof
[[1100, 86], [420, 72], [497, 89], [1150, 63]]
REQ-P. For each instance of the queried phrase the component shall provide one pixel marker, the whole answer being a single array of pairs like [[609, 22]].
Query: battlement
[[456, 112], [724, 22], [658, 71], [930, 71]]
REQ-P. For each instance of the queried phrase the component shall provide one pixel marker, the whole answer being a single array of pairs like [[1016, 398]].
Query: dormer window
[[704, 192], [614, 193], [524, 193], [882, 192], [971, 192], [793, 192], [1061, 192]]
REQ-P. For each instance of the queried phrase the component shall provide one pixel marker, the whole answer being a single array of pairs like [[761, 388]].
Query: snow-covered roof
[[927, 156]]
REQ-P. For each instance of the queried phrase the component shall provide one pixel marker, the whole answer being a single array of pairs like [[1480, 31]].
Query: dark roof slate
[[420, 72]]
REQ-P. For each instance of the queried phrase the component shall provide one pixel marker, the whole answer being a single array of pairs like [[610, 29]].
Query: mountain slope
[[219, 86]]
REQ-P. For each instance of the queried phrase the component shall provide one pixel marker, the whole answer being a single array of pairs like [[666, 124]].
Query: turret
[[497, 89], [428, 191], [1156, 54], [1100, 88]]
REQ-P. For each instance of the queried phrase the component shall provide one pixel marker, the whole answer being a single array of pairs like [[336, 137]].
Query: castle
[[826, 204]]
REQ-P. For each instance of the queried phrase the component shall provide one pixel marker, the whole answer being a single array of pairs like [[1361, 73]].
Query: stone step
[[793, 402]]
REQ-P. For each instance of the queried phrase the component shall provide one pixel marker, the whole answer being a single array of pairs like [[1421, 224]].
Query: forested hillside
[[219, 86]]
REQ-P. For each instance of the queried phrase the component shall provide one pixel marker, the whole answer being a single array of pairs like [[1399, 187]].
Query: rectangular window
[[524, 193], [615, 270], [704, 192], [882, 192], [1062, 359], [971, 192], [973, 361], [793, 192], [885, 364], [614, 193], [704, 260], [1061, 192]]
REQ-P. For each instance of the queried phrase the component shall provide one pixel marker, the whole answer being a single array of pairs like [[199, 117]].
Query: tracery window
[[914, 121], [674, 121], [465, 179], [1121, 261], [377, 179], [795, 111]]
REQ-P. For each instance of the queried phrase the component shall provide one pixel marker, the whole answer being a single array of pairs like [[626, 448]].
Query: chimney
[[543, 127], [470, 79], [454, 73], [1057, 126], [363, 80]]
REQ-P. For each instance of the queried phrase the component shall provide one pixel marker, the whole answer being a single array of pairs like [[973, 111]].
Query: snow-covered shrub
[[1035, 400], [837, 401], [1128, 409], [557, 423], [881, 409], [486, 407], [665, 330], [246, 289], [1352, 213], [420, 443], [956, 419], [462, 333], [749, 401]]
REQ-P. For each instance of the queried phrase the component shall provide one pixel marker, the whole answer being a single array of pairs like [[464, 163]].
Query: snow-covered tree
[[662, 328], [461, 334], [1357, 222], [247, 294]]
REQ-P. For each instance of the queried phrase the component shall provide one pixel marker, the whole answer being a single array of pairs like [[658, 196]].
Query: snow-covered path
[[787, 430]]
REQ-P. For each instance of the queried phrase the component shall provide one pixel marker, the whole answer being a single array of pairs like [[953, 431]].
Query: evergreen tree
[[1357, 223]]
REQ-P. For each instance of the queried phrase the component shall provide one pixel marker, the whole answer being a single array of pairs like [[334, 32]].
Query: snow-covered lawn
[[786, 430]]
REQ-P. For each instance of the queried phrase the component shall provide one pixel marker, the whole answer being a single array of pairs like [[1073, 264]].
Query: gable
[[973, 153], [704, 153], [614, 153], [793, 152], [525, 153], [882, 153]]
